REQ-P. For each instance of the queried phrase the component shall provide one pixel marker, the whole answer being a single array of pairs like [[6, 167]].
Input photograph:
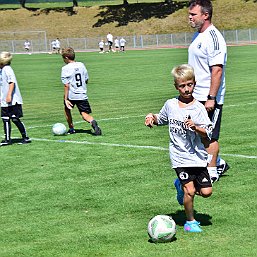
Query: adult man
[[208, 54]]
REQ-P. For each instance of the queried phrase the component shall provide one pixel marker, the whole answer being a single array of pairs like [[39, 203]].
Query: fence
[[14, 41]]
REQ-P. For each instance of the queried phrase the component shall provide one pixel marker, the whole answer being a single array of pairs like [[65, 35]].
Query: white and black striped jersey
[[75, 74], [207, 49], [7, 76], [186, 148]]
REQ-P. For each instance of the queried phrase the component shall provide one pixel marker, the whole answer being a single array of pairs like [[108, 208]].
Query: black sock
[[7, 129], [20, 126]]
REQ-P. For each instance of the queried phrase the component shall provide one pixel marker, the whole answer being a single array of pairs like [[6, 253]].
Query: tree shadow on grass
[[123, 14], [37, 11]]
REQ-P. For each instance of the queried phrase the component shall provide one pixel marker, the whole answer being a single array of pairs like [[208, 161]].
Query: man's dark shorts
[[215, 117]]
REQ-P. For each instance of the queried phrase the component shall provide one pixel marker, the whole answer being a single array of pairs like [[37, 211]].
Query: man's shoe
[[5, 142], [24, 141], [221, 169], [71, 131], [192, 226], [180, 192]]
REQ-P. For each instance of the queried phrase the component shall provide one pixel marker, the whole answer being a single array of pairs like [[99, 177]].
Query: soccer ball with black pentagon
[[59, 129], [161, 228]]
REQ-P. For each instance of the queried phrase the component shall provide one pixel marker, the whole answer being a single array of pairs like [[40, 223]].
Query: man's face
[[196, 17]]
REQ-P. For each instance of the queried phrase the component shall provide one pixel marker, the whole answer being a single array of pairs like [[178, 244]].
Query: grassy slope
[[141, 18]]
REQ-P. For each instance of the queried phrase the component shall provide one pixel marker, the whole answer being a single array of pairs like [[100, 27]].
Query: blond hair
[[5, 58], [183, 72]]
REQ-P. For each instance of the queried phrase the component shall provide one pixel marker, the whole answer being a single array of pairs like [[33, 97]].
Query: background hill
[[134, 19]]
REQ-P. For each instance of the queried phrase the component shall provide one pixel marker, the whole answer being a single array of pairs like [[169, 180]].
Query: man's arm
[[216, 75]]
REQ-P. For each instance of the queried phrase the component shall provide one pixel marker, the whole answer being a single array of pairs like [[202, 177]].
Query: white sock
[[213, 172]]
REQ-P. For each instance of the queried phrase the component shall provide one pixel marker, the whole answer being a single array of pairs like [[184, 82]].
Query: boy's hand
[[8, 99], [189, 123], [149, 120], [68, 104]]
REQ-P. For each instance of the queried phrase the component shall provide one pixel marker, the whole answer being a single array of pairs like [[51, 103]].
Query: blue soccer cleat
[[192, 226]]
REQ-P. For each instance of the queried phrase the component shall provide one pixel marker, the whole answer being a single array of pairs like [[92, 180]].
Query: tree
[[22, 2]]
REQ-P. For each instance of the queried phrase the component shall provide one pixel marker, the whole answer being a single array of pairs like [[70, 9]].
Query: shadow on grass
[[84, 131], [123, 14], [180, 218], [37, 11]]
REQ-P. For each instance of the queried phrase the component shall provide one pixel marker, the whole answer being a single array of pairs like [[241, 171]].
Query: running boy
[[188, 121], [11, 101], [74, 76]]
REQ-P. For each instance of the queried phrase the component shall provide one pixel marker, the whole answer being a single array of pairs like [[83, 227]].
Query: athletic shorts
[[83, 105], [199, 175], [13, 111], [110, 43], [215, 117]]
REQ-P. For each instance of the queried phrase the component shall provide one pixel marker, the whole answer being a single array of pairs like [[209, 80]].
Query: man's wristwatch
[[211, 97]]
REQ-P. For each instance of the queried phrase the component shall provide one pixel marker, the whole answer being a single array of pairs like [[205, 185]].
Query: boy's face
[[185, 87]]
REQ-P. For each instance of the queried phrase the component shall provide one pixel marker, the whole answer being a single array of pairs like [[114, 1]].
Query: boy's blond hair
[[183, 72], [5, 58]]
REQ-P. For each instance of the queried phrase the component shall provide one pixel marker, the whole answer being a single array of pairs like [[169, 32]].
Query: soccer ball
[[161, 228], [59, 129]]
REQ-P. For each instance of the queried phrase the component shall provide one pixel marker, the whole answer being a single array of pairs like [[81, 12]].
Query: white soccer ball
[[161, 228], [59, 129]]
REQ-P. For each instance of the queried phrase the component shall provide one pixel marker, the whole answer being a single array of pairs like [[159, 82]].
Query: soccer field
[[80, 195]]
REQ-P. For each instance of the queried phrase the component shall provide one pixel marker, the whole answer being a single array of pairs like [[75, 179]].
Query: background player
[[75, 77], [11, 101]]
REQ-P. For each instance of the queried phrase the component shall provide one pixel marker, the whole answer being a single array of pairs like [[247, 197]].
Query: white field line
[[130, 117], [128, 146]]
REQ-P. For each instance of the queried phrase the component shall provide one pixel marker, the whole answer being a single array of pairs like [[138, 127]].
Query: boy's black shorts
[[199, 175], [13, 111], [83, 105]]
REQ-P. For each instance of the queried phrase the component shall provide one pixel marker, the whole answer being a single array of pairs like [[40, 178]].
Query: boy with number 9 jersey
[[74, 76]]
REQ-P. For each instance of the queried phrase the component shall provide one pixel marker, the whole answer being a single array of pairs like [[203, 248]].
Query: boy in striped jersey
[[208, 55]]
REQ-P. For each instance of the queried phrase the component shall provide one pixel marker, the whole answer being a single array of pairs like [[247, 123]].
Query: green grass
[[81, 195]]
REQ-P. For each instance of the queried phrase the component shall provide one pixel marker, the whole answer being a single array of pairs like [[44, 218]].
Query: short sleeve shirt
[[75, 74], [7, 76], [207, 49], [186, 148]]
